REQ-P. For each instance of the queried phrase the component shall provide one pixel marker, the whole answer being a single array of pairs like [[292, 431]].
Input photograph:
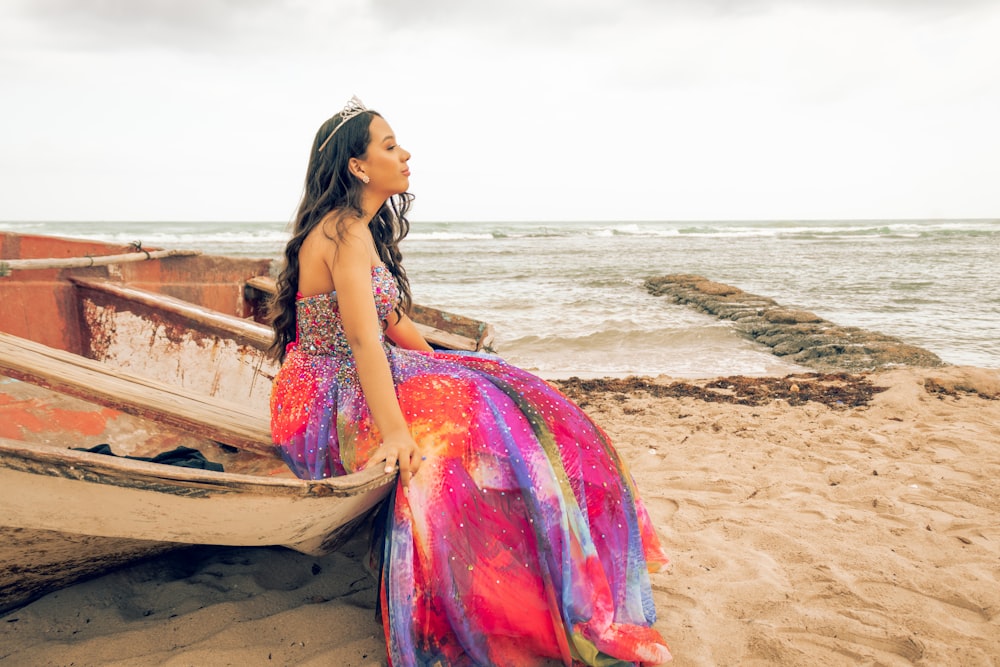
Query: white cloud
[[523, 110]]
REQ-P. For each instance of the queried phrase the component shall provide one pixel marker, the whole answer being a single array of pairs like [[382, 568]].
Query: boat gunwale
[[60, 462]]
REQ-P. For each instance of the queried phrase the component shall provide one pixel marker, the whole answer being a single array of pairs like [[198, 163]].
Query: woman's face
[[385, 162]]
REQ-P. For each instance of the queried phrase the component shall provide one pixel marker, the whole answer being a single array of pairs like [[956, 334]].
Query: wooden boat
[[147, 351]]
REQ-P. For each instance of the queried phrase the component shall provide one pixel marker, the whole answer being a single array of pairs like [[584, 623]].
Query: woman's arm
[[403, 333], [351, 270]]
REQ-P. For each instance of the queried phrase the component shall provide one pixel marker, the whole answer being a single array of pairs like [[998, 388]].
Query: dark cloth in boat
[[185, 457]]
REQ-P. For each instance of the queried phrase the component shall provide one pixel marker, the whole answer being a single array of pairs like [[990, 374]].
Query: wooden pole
[[8, 265]]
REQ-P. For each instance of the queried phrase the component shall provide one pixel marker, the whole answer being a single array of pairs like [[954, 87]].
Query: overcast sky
[[513, 109]]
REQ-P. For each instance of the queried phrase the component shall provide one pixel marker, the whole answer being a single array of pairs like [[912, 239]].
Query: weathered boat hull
[[176, 342], [77, 513], [70, 514], [36, 562]]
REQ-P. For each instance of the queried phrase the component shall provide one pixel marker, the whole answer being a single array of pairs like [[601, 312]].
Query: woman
[[516, 536]]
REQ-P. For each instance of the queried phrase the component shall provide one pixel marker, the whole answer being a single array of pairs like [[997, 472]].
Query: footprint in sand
[[840, 640], [953, 606]]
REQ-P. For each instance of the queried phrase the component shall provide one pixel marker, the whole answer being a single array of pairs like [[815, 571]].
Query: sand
[[852, 531]]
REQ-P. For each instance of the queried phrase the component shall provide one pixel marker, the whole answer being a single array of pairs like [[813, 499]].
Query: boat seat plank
[[436, 337], [202, 415], [264, 284]]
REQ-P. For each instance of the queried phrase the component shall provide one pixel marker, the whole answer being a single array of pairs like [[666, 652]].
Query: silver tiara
[[353, 108]]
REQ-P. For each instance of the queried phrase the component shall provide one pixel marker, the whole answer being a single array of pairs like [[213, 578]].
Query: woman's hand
[[401, 449]]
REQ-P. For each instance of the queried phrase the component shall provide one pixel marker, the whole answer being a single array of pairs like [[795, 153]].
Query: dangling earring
[[365, 179]]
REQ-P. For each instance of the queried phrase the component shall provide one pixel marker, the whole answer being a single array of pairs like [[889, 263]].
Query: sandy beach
[[811, 520]]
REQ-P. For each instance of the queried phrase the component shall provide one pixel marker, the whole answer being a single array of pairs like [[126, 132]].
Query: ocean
[[567, 298]]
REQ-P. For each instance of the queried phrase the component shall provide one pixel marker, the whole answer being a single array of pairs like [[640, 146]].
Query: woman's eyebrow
[[388, 137]]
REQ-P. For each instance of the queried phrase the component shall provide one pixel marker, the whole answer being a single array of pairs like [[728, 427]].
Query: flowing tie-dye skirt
[[521, 541]]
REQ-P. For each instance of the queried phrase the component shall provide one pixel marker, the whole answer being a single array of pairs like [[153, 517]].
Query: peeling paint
[[151, 346]]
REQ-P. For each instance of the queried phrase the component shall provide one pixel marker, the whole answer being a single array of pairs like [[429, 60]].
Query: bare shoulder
[[328, 244]]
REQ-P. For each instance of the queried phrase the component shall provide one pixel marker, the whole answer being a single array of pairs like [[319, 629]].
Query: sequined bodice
[[320, 330]]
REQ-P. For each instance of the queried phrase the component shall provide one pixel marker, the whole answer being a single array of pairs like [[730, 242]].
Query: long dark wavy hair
[[330, 187]]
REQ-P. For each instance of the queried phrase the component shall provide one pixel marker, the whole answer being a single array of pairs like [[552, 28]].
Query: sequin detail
[[522, 539], [320, 330]]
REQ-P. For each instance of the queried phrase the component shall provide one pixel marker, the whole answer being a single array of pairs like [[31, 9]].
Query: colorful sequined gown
[[520, 542]]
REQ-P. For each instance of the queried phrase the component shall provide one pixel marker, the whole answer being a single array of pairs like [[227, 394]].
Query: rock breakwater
[[797, 335]]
